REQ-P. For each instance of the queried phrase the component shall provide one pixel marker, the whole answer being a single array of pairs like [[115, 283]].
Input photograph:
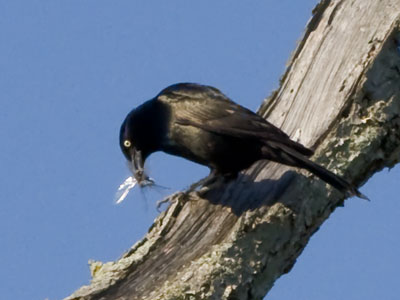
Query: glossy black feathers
[[201, 124]]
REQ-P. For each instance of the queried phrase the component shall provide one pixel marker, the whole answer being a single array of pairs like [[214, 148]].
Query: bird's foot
[[202, 183], [212, 184], [180, 197], [197, 190]]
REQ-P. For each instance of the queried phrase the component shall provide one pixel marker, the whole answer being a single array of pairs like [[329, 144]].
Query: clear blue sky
[[71, 71]]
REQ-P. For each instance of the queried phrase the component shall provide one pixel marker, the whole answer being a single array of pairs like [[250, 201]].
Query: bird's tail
[[283, 154]]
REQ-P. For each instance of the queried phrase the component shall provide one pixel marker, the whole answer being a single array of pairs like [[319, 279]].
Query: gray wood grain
[[339, 95]]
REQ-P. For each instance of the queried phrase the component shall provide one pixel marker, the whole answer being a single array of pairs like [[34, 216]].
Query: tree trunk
[[340, 96]]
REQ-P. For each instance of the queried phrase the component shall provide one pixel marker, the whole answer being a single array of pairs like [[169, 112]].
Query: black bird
[[203, 125]]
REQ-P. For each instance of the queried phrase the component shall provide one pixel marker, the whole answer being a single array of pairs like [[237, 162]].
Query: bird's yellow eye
[[127, 143]]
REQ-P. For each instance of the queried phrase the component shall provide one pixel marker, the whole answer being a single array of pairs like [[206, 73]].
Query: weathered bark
[[341, 96]]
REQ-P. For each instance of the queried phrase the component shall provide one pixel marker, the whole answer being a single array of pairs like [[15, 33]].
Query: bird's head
[[142, 133], [133, 147]]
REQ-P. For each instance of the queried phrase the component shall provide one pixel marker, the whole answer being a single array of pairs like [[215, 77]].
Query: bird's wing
[[209, 109], [230, 119]]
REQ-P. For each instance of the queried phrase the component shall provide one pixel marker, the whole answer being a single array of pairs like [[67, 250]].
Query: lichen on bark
[[339, 95]]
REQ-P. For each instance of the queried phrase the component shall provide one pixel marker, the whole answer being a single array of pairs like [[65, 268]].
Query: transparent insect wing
[[124, 189]]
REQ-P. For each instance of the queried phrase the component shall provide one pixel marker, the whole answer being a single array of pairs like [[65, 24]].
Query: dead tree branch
[[341, 96]]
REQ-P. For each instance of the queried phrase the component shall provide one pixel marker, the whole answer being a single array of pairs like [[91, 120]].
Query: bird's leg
[[170, 199], [215, 181], [206, 181], [203, 183]]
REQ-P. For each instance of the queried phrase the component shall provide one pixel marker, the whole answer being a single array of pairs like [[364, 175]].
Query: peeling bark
[[340, 96]]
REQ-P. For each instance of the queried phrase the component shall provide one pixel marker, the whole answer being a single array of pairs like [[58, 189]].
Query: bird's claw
[[171, 199]]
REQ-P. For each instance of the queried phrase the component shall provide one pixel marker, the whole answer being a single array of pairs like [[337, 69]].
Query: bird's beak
[[137, 164]]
